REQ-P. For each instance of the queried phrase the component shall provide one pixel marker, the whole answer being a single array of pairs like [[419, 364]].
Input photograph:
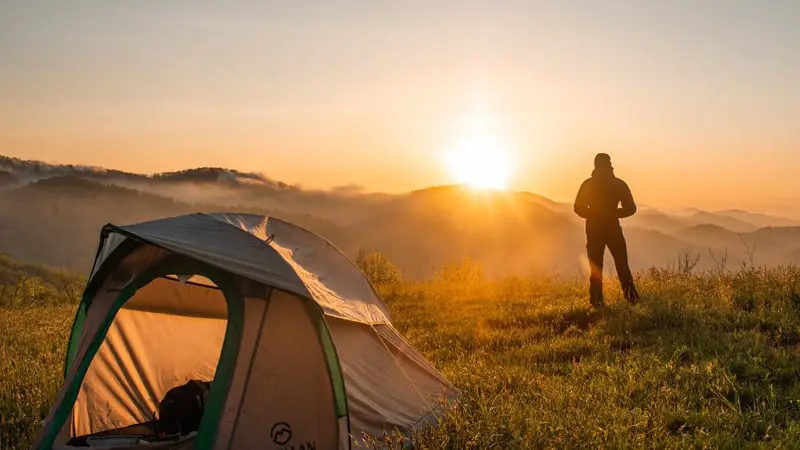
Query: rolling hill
[[710, 235], [8, 178], [52, 215], [759, 220], [56, 221], [656, 220], [723, 221]]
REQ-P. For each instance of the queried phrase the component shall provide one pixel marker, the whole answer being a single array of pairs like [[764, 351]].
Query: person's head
[[602, 165], [602, 161]]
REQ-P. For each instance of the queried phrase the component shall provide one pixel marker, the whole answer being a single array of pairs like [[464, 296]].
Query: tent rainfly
[[299, 349]]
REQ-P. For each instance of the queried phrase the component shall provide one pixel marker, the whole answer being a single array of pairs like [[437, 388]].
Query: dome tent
[[300, 349]]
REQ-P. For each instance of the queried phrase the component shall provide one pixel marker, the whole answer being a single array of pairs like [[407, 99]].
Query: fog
[[53, 215]]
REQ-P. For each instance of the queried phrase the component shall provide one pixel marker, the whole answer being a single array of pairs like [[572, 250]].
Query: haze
[[696, 100]]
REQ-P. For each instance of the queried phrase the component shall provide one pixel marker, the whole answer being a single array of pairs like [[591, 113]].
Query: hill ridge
[[53, 217]]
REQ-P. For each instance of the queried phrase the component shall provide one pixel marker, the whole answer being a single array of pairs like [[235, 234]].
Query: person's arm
[[628, 207], [581, 205]]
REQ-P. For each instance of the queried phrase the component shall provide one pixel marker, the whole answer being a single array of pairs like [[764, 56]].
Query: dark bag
[[182, 408]]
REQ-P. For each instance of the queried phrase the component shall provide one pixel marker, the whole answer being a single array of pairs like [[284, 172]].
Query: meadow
[[707, 360]]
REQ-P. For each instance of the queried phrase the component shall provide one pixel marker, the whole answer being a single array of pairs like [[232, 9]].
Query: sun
[[480, 161]]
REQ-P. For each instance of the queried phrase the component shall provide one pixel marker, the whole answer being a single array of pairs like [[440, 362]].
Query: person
[[603, 200]]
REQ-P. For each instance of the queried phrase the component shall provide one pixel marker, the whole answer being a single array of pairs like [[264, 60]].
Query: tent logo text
[[281, 433]]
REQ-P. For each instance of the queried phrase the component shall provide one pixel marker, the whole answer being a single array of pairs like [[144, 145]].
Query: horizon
[[684, 210], [694, 101]]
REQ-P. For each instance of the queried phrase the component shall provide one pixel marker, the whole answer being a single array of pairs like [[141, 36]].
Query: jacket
[[604, 198]]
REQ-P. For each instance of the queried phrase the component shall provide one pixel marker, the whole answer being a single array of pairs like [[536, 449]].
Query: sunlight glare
[[480, 161]]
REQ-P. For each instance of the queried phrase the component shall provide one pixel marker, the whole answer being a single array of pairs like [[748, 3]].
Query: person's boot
[[596, 295], [631, 295]]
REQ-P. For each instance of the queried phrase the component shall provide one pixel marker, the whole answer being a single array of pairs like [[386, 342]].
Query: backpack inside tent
[[227, 331]]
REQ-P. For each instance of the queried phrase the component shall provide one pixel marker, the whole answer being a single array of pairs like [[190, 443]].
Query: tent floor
[[183, 444], [133, 436]]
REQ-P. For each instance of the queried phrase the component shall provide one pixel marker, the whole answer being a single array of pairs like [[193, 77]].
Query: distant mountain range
[[52, 214]]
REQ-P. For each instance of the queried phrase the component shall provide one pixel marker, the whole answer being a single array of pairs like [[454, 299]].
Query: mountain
[[731, 223], [656, 248], [506, 232], [561, 207], [709, 235], [53, 214], [656, 220], [212, 185], [729, 220], [56, 221], [26, 170], [8, 179], [766, 245], [228, 177], [759, 220], [770, 243]]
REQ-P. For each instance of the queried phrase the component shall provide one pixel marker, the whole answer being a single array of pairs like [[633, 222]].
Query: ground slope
[[707, 360]]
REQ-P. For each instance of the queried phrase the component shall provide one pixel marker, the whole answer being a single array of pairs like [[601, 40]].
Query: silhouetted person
[[602, 200]]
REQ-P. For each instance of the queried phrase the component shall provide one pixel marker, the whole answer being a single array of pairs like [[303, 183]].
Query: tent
[[298, 347]]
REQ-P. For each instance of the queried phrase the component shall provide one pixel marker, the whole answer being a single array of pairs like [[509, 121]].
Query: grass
[[707, 360], [29, 285], [37, 305], [32, 348]]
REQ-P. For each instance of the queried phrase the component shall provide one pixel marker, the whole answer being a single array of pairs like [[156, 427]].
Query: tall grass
[[37, 305], [26, 285], [706, 360], [32, 348]]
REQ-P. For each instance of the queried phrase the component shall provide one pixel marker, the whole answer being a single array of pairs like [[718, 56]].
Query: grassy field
[[708, 360], [37, 305]]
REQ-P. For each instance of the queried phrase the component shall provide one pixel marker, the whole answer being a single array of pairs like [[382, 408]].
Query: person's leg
[[595, 248], [619, 250]]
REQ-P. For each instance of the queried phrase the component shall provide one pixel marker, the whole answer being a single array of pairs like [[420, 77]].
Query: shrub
[[377, 268], [465, 272]]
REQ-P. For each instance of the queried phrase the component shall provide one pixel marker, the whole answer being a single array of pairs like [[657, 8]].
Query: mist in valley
[[52, 215]]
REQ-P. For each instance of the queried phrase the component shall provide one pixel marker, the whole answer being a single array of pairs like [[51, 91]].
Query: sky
[[696, 101]]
